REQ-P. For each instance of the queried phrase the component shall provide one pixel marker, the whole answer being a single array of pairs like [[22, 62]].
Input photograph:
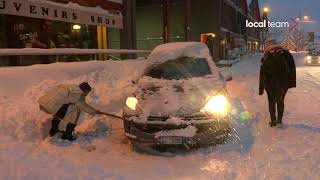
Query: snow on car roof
[[169, 51]]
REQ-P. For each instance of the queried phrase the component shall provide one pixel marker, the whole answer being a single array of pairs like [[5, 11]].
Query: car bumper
[[210, 131], [312, 63]]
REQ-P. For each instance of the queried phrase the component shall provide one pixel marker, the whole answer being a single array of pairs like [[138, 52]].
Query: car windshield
[[181, 68]]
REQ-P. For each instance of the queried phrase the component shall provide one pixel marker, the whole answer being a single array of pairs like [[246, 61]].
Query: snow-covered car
[[181, 99], [313, 58]]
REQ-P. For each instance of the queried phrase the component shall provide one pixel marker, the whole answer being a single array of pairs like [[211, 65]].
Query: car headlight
[[308, 57], [218, 105], [131, 103]]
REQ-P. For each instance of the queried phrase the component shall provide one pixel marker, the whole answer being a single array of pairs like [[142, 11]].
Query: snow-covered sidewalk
[[102, 151]]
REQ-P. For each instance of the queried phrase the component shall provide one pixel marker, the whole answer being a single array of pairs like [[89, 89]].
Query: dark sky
[[282, 10]]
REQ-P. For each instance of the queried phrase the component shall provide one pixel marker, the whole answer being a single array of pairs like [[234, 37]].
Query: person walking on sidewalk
[[277, 75]]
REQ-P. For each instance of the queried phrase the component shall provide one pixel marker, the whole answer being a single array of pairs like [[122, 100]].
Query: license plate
[[172, 140]]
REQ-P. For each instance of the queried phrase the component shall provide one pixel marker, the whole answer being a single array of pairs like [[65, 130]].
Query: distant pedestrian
[[277, 75]]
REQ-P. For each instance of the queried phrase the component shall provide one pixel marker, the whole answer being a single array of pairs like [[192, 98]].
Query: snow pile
[[228, 62], [102, 151], [94, 127], [20, 114], [172, 51], [189, 131], [162, 97], [64, 51]]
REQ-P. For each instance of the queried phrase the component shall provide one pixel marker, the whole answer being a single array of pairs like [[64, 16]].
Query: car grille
[[184, 118]]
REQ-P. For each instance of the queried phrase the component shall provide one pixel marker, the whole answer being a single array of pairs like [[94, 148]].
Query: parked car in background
[[313, 57], [181, 99]]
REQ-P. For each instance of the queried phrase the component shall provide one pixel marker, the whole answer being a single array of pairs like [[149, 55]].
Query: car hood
[[160, 97]]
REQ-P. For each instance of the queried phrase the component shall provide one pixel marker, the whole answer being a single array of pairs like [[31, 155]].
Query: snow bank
[[103, 152], [64, 51], [172, 51], [228, 62], [22, 86], [165, 96]]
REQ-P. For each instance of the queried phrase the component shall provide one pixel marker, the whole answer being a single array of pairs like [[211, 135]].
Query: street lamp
[[264, 31], [301, 19], [76, 27]]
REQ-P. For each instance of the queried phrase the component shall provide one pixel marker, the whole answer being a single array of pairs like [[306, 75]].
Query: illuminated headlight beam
[[131, 102], [218, 105]]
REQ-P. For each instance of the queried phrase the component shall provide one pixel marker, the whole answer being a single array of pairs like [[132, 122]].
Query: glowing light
[[245, 116], [131, 103], [306, 18], [266, 9], [212, 34], [309, 61], [76, 27], [308, 57], [217, 105]]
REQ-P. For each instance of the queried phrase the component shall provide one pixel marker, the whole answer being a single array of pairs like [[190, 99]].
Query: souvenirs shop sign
[[61, 12]]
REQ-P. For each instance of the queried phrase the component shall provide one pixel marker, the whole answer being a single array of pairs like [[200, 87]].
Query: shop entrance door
[[209, 39], [222, 48]]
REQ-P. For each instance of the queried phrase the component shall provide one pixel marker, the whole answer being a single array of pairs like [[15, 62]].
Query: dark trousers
[[276, 101], [57, 118], [62, 111]]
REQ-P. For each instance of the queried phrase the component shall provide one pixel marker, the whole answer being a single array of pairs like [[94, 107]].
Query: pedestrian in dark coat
[[277, 75]]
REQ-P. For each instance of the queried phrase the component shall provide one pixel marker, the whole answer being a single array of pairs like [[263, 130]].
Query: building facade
[[39, 30], [221, 24]]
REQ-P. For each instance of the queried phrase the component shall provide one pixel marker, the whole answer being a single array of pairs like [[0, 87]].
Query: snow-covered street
[[103, 152]]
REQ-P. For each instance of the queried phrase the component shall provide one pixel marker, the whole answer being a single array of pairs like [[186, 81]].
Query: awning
[[90, 12]]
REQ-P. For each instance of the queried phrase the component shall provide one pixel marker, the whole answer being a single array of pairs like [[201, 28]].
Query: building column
[[128, 39], [165, 16], [187, 14], [102, 40], [218, 44]]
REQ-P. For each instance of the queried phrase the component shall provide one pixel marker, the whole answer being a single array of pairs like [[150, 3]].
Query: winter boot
[[68, 133], [272, 123], [54, 127]]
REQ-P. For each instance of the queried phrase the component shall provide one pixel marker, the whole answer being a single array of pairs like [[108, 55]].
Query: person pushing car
[[65, 102], [277, 75]]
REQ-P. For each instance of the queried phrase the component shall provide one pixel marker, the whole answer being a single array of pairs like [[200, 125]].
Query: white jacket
[[55, 98]]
